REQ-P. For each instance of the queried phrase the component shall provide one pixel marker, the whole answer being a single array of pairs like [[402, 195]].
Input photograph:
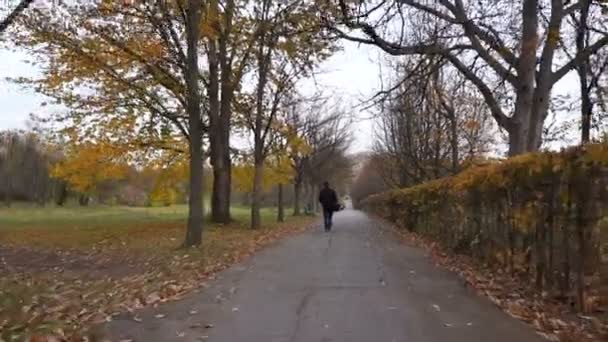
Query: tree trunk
[[544, 77], [258, 129], [219, 130], [256, 199], [297, 192], [280, 207], [83, 200], [313, 199], [10, 18], [194, 229], [583, 71], [61, 193], [586, 107], [517, 138], [220, 198], [8, 192], [454, 143], [519, 128]]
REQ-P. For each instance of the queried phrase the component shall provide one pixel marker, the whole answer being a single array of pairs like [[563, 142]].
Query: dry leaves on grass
[[62, 304], [551, 318]]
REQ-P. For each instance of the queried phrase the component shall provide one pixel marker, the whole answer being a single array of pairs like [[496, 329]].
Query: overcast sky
[[350, 73]]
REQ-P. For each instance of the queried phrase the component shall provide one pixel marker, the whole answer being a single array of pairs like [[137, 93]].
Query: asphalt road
[[354, 284]]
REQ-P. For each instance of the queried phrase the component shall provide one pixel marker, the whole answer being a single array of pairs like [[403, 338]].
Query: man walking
[[329, 202]]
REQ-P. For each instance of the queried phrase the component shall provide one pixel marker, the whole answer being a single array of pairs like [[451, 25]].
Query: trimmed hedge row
[[539, 215]]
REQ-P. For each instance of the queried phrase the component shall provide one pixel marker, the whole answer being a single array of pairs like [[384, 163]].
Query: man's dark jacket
[[328, 199]]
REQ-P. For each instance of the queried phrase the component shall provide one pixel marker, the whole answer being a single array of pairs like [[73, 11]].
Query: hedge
[[539, 215]]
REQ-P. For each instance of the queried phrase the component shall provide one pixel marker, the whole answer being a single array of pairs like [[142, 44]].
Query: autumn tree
[[369, 179], [511, 51], [128, 75], [313, 128], [126, 85], [326, 132], [289, 44], [284, 144], [429, 122], [228, 40], [25, 163], [85, 166], [193, 108], [10, 18], [590, 68]]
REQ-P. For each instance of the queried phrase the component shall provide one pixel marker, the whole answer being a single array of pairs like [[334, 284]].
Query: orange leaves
[[166, 190], [88, 164], [208, 29], [547, 317], [273, 175]]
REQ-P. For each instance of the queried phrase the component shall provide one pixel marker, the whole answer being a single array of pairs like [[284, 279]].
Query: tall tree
[[127, 75], [588, 68], [288, 46], [10, 18], [429, 122], [193, 109], [229, 42], [499, 57]]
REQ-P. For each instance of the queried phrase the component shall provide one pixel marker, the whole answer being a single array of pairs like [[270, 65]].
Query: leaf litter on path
[[65, 303], [551, 320]]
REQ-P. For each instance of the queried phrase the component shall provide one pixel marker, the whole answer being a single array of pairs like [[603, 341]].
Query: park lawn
[[84, 228], [63, 270]]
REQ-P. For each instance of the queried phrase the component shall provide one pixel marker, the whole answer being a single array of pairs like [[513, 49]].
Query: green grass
[[21, 216], [85, 227], [77, 296]]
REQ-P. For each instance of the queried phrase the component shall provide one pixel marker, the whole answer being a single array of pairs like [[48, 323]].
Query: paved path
[[354, 284]]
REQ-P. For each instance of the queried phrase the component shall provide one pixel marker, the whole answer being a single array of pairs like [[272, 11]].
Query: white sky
[[350, 73]]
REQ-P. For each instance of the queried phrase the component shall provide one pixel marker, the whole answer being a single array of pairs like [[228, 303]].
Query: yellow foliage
[[166, 188], [86, 165], [274, 174], [163, 194], [529, 173]]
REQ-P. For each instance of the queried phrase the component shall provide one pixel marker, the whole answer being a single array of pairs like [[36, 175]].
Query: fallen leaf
[[436, 307], [160, 315]]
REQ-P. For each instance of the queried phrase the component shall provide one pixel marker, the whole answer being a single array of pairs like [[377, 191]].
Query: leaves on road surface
[[549, 317], [62, 301]]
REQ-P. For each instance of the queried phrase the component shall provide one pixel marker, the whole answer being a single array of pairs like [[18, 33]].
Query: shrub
[[537, 215]]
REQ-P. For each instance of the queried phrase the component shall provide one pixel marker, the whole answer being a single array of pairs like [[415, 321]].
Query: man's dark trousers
[[328, 213]]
